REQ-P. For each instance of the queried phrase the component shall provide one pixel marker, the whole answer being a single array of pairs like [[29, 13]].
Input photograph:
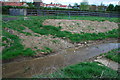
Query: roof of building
[[12, 3], [56, 5], [63, 5], [52, 4]]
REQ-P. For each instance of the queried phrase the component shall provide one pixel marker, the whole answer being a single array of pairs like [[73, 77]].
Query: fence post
[[69, 15], [25, 12], [57, 15]]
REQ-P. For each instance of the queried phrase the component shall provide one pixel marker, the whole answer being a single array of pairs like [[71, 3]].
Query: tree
[[102, 7], [117, 8], [84, 5], [70, 5], [93, 7], [76, 4], [110, 7], [30, 4]]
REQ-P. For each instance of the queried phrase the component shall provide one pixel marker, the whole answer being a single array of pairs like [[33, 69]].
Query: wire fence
[[70, 13], [38, 12]]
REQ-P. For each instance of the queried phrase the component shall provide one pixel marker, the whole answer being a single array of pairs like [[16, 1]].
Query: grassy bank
[[35, 24], [83, 70], [12, 43]]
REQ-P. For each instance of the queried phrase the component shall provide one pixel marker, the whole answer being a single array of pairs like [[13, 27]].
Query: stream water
[[49, 64]]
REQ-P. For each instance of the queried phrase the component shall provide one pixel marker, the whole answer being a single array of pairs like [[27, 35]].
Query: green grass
[[113, 55], [83, 70], [92, 18], [13, 47]]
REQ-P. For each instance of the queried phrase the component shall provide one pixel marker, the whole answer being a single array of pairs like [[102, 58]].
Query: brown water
[[49, 64]]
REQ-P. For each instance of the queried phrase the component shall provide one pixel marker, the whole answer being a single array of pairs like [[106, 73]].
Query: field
[[31, 37]]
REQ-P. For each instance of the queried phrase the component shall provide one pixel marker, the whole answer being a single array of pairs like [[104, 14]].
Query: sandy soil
[[78, 26]]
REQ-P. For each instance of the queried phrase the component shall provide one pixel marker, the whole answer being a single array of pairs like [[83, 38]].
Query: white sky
[[97, 2], [66, 2]]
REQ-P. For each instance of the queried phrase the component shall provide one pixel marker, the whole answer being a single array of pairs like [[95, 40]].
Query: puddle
[[51, 63]]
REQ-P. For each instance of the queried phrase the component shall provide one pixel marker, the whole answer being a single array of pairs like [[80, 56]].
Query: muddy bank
[[49, 64], [76, 45]]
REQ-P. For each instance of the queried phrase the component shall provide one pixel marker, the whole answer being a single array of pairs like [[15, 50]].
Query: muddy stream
[[49, 64]]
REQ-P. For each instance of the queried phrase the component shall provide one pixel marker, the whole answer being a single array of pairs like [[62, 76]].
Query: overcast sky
[[66, 2], [97, 2]]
